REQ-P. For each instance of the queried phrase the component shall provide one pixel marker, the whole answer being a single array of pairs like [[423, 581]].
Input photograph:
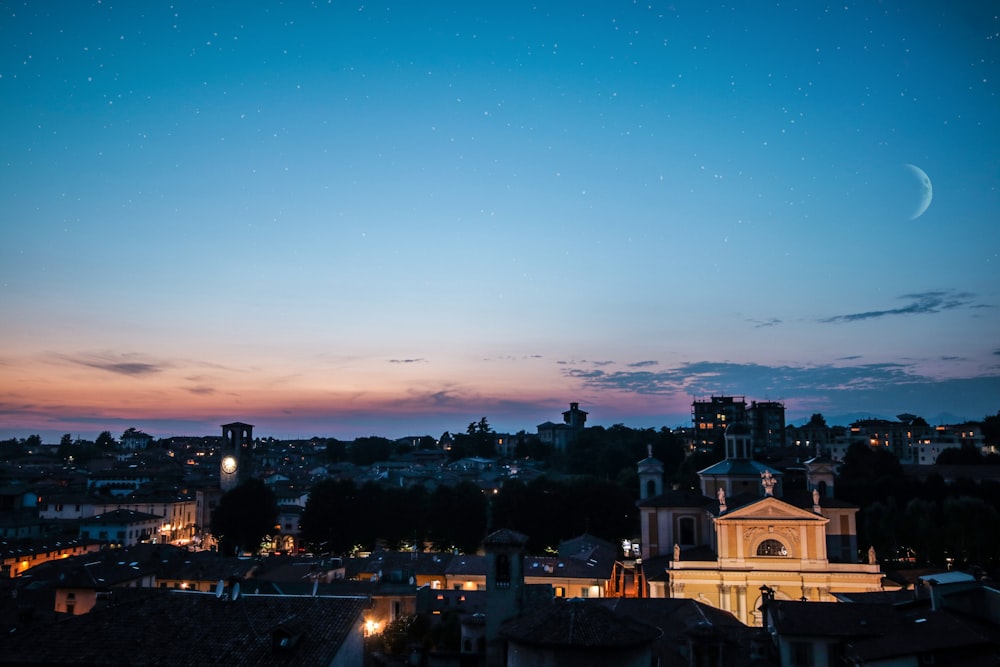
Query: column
[[725, 603]]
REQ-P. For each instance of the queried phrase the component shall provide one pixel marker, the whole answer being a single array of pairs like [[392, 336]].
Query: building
[[741, 533], [766, 420], [711, 418], [178, 512], [135, 441], [578, 634], [558, 436], [948, 619], [121, 528], [899, 437], [18, 556]]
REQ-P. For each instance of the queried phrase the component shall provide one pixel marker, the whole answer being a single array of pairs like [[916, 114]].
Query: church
[[741, 537]]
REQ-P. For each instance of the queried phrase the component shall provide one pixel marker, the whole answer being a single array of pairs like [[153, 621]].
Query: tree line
[[922, 522], [341, 516]]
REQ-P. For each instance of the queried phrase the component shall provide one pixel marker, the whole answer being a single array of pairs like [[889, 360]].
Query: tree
[[244, 517], [967, 454], [329, 520], [817, 420], [33, 442], [105, 441], [11, 448], [366, 451], [478, 440], [991, 430]]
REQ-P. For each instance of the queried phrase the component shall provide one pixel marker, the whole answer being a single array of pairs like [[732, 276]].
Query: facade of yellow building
[[739, 536]]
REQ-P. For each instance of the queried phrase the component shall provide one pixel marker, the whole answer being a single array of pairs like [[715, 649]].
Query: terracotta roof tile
[[168, 628]]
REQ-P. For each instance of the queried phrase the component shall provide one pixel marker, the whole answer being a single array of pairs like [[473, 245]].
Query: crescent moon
[[926, 190]]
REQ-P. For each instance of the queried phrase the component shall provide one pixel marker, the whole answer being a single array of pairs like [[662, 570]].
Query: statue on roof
[[721, 494], [677, 551], [767, 481], [872, 559]]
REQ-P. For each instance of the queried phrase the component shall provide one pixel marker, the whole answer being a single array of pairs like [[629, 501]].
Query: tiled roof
[[505, 537], [467, 565], [119, 516], [182, 628], [832, 619], [929, 633], [549, 566], [413, 562], [580, 624]]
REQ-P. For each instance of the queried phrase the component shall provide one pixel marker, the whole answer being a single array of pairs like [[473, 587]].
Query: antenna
[[220, 588]]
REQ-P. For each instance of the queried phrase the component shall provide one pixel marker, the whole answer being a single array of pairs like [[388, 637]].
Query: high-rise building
[[766, 420], [711, 418]]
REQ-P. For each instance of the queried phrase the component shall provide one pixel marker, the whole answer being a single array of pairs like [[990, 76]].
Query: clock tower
[[236, 456]]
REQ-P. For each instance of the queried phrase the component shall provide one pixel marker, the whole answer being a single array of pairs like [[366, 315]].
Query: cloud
[[644, 364], [511, 357], [919, 304], [579, 362], [707, 377], [123, 364], [407, 361], [882, 389], [760, 324], [201, 391]]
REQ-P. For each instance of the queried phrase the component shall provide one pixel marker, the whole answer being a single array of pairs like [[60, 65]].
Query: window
[[771, 548], [503, 571], [685, 531]]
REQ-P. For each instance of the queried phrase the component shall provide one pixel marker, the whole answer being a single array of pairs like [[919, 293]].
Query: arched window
[[685, 529], [771, 548], [650, 488]]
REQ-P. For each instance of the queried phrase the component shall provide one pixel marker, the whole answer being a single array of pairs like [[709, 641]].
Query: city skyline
[[353, 219]]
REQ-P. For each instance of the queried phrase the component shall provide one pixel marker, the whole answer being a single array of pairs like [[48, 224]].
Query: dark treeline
[[927, 522], [341, 516]]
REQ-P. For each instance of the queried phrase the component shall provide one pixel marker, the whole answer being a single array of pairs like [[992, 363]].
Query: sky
[[346, 219]]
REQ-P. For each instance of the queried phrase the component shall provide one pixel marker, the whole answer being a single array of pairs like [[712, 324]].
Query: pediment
[[770, 508]]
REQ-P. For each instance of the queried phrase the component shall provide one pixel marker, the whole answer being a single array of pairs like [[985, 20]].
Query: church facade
[[741, 537]]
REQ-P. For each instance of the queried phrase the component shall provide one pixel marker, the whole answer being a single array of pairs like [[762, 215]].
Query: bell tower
[[504, 586], [236, 457], [650, 476]]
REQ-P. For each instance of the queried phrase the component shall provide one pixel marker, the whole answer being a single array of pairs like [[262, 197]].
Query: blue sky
[[344, 219]]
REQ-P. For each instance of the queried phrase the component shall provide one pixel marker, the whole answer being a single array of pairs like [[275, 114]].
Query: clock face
[[229, 465]]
